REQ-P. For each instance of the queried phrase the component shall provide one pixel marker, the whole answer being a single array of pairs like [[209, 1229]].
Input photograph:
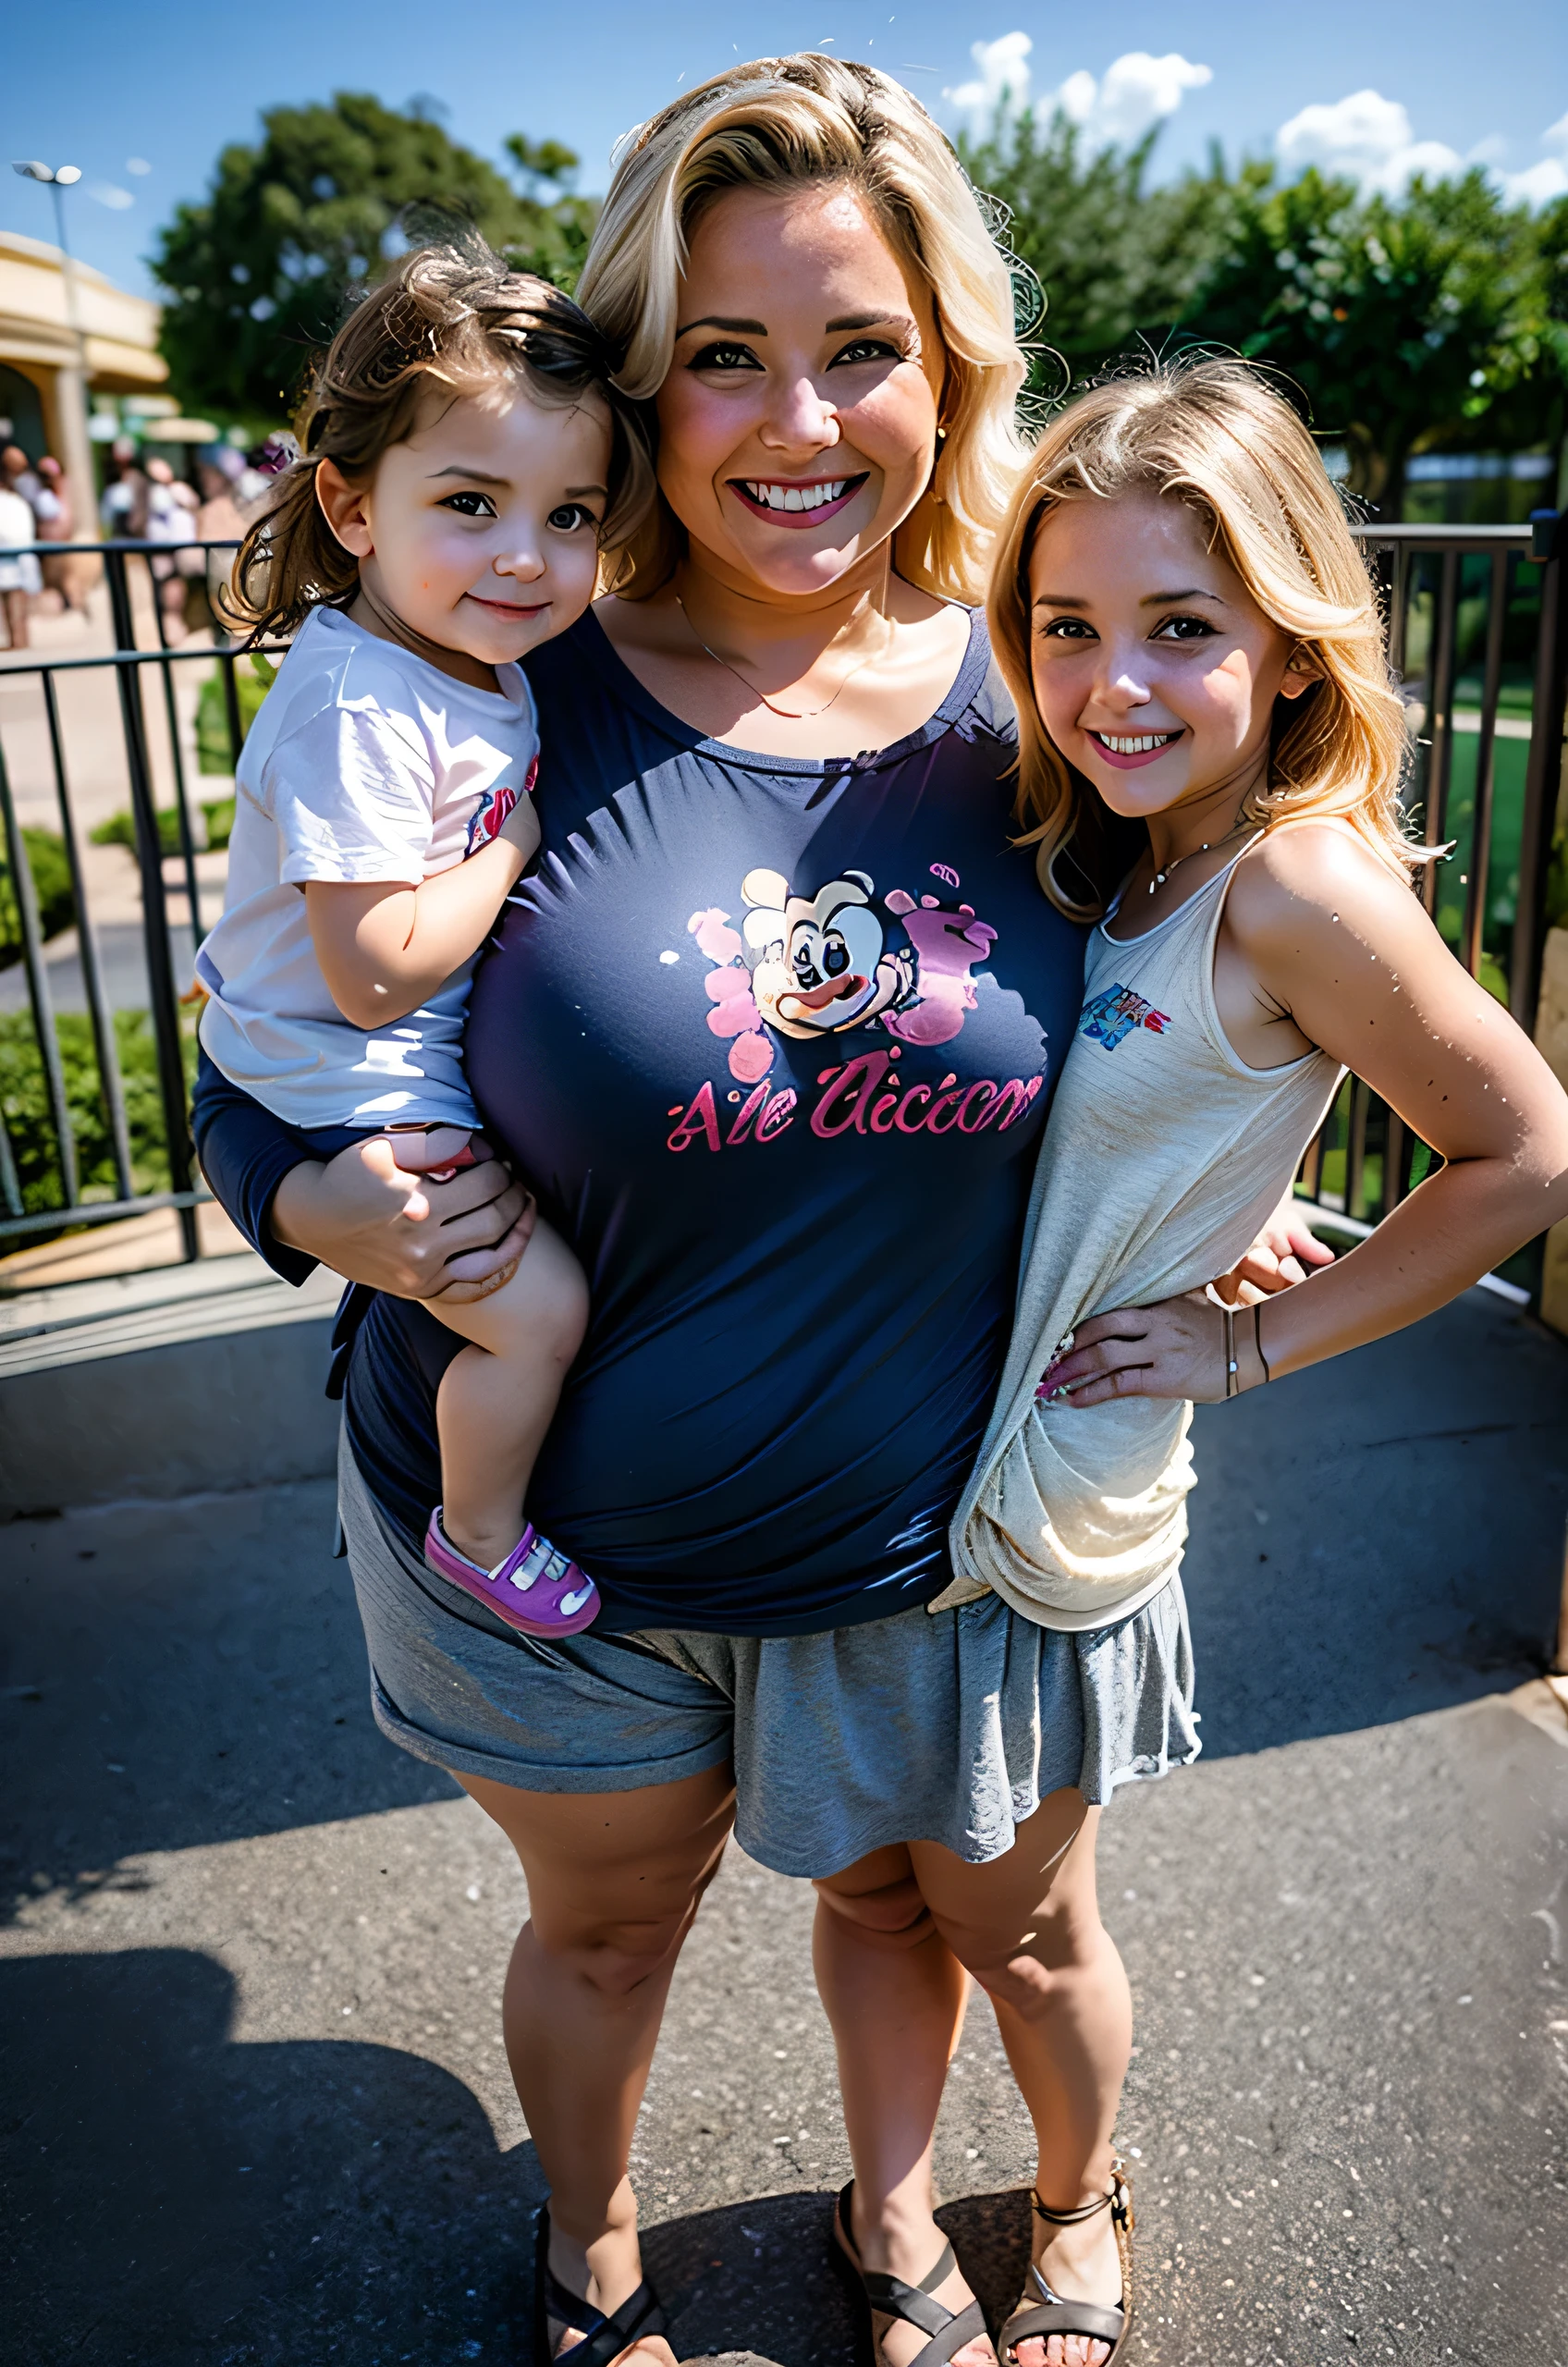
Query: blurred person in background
[[57, 523], [171, 519], [20, 578], [124, 506], [19, 475]]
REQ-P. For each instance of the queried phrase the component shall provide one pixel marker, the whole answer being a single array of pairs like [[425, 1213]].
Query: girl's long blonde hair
[[1216, 436], [782, 122]]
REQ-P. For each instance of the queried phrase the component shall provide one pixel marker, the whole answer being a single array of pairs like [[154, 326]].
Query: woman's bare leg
[[1028, 1926], [895, 1995], [614, 1881]]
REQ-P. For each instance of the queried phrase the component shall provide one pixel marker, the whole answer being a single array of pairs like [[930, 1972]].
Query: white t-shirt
[[364, 763]]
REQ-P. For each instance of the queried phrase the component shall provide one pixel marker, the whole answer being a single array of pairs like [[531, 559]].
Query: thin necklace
[[790, 714], [1208, 848]]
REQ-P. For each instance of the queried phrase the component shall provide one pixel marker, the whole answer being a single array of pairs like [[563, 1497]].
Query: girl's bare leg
[[497, 1399], [614, 1881], [1028, 1926], [895, 1995]]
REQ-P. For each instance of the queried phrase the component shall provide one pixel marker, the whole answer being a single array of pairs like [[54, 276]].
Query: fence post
[[1543, 776], [162, 994]]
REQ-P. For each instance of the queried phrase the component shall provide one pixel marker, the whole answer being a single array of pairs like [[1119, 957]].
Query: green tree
[[256, 274], [1116, 261], [1409, 322]]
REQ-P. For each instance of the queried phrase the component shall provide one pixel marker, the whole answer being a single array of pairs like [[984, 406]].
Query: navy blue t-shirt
[[774, 1038]]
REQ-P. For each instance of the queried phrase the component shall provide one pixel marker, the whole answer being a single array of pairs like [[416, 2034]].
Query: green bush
[[252, 681], [52, 884], [25, 1106], [119, 830]]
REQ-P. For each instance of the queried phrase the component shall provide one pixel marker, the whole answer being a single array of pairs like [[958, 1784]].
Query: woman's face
[[797, 423]]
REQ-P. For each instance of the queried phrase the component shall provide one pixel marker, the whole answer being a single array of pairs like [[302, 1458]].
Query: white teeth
[[794, 497], [1138, 747]]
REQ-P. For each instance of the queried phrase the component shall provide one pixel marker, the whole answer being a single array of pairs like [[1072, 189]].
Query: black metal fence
[[1479, 633], [1478, 630], [56, 677]]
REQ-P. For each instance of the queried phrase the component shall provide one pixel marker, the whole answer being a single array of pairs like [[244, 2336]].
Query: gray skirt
[[950, 1726]]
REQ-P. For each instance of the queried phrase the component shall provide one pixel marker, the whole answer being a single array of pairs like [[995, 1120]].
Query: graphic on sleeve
[[1110, 1018], [801, 966], [495, 804]]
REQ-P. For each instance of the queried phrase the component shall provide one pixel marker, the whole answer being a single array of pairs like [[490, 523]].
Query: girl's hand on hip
[[373, 1222], [1176, 1349]]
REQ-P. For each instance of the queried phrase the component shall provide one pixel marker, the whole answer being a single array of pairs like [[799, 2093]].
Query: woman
[[773, 1028]]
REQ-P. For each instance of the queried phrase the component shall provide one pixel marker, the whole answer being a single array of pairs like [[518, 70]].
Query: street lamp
[[70, 383]]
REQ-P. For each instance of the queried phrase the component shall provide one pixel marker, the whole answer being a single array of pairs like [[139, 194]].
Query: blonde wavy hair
[[1216, 436], [783, 122]]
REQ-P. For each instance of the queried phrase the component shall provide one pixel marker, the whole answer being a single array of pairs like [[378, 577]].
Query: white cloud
[[1138, 90], [116, 200], [1537, 186], [1004, 74], [1134, 91], [1366, 138], [1370, 140]]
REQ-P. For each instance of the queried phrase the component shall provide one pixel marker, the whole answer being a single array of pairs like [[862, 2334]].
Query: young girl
[[1192, 642], [466, 459]]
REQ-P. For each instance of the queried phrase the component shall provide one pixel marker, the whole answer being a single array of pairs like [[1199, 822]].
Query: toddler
[[465, 460]]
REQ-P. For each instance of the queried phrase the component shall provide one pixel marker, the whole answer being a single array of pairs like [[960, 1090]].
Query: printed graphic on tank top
[[774, 1041]]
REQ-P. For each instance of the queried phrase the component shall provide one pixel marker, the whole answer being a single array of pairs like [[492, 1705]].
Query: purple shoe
[[536, 1589]]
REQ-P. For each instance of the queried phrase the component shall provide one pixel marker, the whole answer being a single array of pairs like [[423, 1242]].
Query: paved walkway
[[256, 2108]]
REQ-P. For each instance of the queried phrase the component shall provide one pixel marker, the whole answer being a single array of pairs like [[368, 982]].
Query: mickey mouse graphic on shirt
[[803, 966]]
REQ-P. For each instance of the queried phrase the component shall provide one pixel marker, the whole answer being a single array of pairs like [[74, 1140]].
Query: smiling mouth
[[793, 504], [509, 608], [1126, 749]]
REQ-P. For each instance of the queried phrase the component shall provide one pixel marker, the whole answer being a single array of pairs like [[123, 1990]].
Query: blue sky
[[143, 101]]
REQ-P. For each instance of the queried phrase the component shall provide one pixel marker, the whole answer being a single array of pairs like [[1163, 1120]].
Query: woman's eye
[[570, 519], [469, 505], [1067, 629], [1183, 629], [725, 357], [867, 348]]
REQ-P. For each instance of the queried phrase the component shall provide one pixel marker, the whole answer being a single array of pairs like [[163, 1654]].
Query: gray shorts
[[949, 1727]]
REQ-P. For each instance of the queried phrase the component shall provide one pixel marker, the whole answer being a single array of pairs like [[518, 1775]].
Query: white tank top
[[1164, 1156]]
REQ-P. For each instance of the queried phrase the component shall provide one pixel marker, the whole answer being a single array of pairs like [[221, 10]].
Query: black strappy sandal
[[870, 2291], [606, 2338], [1052, 2315]]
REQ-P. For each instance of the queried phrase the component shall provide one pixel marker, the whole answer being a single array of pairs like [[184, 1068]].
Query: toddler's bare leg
[[498, 1398]]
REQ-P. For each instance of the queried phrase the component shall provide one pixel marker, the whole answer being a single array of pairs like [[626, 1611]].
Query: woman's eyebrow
[[1059, 600], [720, 321], [870, 320], [1192, 591]]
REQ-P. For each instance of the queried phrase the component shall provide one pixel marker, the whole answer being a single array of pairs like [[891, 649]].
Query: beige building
[[59, 344]]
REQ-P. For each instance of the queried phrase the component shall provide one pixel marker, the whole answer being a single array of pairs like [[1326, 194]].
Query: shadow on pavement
[[179, 1675], [177, 2198], [174, 2197]]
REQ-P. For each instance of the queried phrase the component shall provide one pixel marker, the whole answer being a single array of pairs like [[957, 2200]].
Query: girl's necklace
[[1208, 848], [789, 715]]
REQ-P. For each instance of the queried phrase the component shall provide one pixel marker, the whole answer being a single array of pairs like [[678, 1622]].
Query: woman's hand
[[1174, 1349], [373, 1222], [1279, 1256]]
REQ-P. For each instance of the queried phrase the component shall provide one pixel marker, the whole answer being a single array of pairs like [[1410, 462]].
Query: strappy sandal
[[606, 2338], [870, 2291], [1052, 2315]]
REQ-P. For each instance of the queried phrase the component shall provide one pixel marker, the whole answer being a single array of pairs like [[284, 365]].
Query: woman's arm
[[372, 1221], [385, 947], [1338, 944], [360, 1214]]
